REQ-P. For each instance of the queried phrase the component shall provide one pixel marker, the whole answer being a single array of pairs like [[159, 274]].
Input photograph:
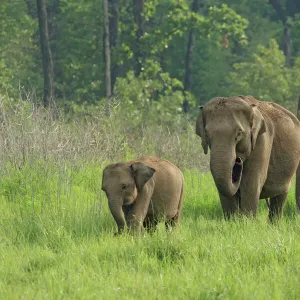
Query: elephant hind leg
[[276, 207], [150, 224], [173, 221]]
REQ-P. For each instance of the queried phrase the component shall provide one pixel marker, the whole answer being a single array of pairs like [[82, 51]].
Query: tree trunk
[[298, 170], [138, 8], [53, 9], [287, 38], [188, 58], [46, 52], [107, 56], [31, 9], [113, 31], [188, 68], [287, 44]]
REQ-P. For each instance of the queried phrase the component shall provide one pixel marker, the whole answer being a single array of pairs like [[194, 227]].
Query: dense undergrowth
[[56, 233]]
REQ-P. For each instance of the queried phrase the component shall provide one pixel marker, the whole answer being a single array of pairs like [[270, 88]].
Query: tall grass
[[56, 233]]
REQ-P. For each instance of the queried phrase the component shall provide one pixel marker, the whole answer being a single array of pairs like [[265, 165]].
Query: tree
[[113, 31], [107, 54], [31, 9], [77, 43], [156, 39], [266, 76], [19, 55], [138, 8], [46, 52], [53, 11], [188, 58], [298, 170], [286, 14]]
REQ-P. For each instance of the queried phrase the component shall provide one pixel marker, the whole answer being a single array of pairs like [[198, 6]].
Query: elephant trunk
[[115, 207], [226, 169]]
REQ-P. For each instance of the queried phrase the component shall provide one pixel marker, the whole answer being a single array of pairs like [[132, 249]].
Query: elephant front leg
[[249, 206], [134, 222], [250, 193], [230, 205], [137, 214]]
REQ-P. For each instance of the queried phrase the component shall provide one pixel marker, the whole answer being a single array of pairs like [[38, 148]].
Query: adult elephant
[[255, 151]]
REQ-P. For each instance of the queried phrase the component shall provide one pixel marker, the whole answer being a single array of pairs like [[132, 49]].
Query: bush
[[152, 98], [266, 77]]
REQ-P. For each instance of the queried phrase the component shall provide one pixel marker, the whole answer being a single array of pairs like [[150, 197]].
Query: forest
[[88, 83], [170, 55]]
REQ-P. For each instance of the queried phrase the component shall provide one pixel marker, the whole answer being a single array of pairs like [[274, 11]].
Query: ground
[[56, 239]]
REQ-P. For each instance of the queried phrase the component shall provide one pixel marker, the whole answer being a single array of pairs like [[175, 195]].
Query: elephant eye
[[124, 186], [239, 135]]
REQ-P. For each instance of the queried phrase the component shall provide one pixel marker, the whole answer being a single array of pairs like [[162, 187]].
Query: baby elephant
[[143, 192]]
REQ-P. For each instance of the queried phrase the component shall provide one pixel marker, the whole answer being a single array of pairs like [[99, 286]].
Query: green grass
[[56, 242]]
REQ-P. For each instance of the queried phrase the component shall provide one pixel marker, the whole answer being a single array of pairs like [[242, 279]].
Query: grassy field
[[57, 242], [56, 233]]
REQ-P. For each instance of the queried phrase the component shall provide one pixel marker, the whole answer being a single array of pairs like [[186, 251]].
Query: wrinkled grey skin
[[143, 192], [254, 152]]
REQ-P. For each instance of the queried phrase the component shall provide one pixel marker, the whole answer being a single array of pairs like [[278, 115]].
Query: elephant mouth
[[237, 170]]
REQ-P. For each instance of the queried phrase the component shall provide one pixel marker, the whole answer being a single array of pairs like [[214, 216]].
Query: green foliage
[[231, 36], [210, 80], [154, 97], [78, 49], [20, 71], [173, 18], [225, 20], [296, 38], [266, 76]]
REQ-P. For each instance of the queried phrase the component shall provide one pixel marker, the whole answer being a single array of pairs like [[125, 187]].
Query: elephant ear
[[200, 129], [141, 174], [258, 125]]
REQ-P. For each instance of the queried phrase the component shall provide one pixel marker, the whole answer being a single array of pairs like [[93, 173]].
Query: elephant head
[[122, 183], [230, 127]]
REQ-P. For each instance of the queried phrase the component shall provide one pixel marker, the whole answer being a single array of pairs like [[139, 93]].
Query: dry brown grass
[[29, 132]]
